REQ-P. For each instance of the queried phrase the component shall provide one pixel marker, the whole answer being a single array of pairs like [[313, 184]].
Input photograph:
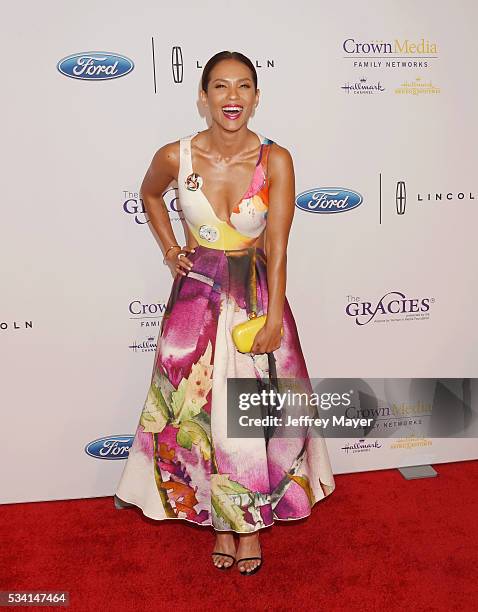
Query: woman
[[182, 464]]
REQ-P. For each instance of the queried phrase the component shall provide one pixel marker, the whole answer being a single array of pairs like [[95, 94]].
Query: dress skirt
[[182, 464]]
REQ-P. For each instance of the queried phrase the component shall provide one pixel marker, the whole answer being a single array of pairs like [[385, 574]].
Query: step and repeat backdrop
[[376, 104]]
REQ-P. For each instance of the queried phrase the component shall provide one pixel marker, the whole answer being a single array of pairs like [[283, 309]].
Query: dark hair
[[223, 55]]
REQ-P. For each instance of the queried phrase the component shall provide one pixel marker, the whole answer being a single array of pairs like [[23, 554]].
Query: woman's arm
[[279, 221], [163, 169]]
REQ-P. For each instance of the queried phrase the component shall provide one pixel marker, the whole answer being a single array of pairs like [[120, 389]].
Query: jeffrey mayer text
[[302, 421]]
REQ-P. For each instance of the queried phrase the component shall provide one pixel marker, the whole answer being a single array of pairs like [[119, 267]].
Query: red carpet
[[378, 542]]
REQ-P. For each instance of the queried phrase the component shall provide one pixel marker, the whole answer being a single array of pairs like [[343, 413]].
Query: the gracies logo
[[394, 303], [95, 66], [328, 200], [110, 447]]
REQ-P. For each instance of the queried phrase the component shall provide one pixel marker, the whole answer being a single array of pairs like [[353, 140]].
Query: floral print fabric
[[182, 464]]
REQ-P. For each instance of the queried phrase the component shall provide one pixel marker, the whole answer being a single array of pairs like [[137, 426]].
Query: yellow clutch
[[243, 334]]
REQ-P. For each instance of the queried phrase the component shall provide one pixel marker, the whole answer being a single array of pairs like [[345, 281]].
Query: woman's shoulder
[[278, 154], [168, 155], [171, 150], [166, 158]]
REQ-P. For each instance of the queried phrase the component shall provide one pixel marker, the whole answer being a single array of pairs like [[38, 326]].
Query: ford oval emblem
[[110, 447], [328, 200], [95, 66]]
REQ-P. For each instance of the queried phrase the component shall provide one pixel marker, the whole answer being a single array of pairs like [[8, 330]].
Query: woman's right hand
[[179, 263]]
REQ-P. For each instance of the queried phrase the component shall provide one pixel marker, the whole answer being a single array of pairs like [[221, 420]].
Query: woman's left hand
[[267, 339]]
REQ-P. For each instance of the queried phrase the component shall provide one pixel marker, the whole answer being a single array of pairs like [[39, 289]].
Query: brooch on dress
[[193, 182], [209, 233]]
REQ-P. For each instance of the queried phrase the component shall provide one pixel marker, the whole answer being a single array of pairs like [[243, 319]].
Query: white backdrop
[[363, 95]]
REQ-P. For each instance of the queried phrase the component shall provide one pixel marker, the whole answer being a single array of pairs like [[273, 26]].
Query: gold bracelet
[[171, 247]]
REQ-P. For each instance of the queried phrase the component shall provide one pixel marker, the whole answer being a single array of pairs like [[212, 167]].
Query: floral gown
[[182, 464]]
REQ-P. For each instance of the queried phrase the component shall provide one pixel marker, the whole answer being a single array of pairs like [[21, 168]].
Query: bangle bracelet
[[174, 246]]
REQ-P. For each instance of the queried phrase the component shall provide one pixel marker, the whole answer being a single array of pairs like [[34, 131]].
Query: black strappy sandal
[[255, 570], [224, 567]]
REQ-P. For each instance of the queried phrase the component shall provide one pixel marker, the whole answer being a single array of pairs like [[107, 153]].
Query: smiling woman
[[236, 189], [232, 111]]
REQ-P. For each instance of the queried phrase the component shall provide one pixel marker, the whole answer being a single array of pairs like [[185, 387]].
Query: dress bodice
[[248, 218]]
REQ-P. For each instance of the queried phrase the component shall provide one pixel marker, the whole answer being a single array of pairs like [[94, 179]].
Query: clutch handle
[[252, 284]]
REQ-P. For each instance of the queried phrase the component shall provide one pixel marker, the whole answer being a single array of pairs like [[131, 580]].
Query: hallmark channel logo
[[363, 87], [360, 446], [328, 200], [110, 447], [435, 198], [95, 66], [148, 314], [145, 346], [133, 205], [394, 306]]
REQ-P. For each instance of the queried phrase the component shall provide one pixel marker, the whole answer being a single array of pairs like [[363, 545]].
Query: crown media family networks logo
[[149, 316], [381, 55], [397, 53]]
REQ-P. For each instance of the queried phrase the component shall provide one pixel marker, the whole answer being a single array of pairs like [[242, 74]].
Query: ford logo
[[95, 66], [328, 200], [110, 447]]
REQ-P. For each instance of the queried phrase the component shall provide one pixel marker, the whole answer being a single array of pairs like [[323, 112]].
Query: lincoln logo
[[177, 64], [401, 197]]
